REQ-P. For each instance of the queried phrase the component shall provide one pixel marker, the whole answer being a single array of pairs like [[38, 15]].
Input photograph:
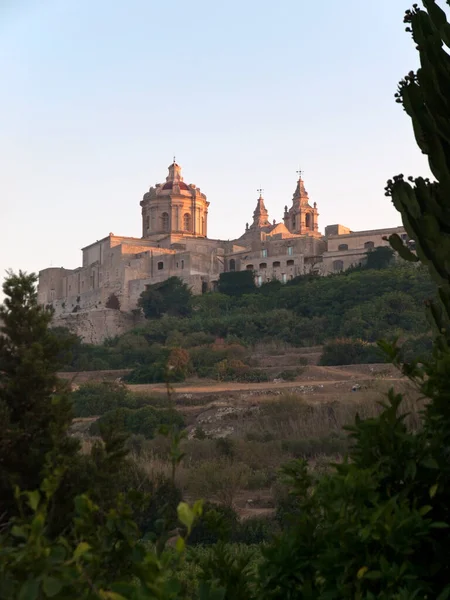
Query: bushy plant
[[95, 399], [142, 421], [92, 399], [217, 523], [256, 530], [171, 296], [350, 352]]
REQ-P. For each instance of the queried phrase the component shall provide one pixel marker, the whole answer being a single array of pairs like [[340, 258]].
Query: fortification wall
[[94, 326]]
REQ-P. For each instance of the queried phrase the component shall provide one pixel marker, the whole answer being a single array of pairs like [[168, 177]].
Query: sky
[[98, 96]]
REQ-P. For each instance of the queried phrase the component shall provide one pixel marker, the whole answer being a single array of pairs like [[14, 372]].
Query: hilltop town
[[116, 269]]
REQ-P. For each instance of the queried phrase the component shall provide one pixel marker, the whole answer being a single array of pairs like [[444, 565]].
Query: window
[[264, 252], [203, 226], [160, 266], [290, 250], [259, 281], [369, 245], [263, 265], [308, 221], [290, 263], [187, 222], [70, 287], [147, 223], [177, 265], [293, 222], [165, 221], [283, 278], [343, 247], [182, 264], [232, 265], [276, 264], [250, 267], [338, 265]]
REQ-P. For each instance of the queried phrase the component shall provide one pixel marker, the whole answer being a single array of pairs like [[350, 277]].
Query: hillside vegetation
[[362, 305]]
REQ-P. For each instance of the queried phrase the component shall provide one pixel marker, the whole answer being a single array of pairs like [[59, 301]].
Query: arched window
[[147, 222], [290, 263], [263, 265], [249, 267], [276, 264], [160, 266], [165, 221], [338, 265], [308, 221], [187, 222], [232, 265], [343, 247], [293, 222], [203, 226], [369, 245]]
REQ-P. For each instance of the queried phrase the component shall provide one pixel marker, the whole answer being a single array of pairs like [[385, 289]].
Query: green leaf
[[19, 532], [373, 575], [81, 549], [362, 571], [180, 545], [445, 594], [429, 463], [33, 499], [433, 490], [51, 586], [186, 515], [439, 525], [425, 510], [29, 590]]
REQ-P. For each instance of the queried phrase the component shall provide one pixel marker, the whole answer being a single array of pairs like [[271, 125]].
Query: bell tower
[[302, 218], [260, 214]]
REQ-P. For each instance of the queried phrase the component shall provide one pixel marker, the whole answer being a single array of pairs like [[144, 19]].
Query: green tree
[[34, 404], [172, 297], [379, 258], [237, 283]]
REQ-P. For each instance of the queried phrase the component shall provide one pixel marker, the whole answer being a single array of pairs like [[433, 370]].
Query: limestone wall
[[94, 326]]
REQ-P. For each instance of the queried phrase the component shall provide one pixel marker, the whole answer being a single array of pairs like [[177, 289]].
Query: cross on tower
[[260, 190], [299, 173], [174, 161]]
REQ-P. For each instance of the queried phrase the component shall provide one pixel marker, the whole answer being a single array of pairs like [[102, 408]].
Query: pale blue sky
[[98, 95]]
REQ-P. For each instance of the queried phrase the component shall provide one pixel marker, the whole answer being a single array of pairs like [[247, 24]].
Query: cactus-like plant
[[425, 205]]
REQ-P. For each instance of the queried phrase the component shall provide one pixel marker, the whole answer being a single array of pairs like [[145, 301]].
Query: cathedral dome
[[169, 186]]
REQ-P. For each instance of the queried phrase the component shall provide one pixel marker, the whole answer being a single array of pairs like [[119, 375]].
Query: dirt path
[[242, 387]]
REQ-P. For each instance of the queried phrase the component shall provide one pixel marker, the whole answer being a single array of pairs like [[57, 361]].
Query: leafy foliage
[[171, 296], [237, 283], [351, 352], [34, 404], [144, 421]]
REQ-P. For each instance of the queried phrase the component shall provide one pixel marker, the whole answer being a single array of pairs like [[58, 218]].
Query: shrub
[[288, 375], [218, 480], [143, 421], [93, 399], [256, 530], [350, 352], [218, 523]]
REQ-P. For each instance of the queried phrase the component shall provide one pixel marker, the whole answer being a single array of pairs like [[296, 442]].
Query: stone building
[[116, 269]]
